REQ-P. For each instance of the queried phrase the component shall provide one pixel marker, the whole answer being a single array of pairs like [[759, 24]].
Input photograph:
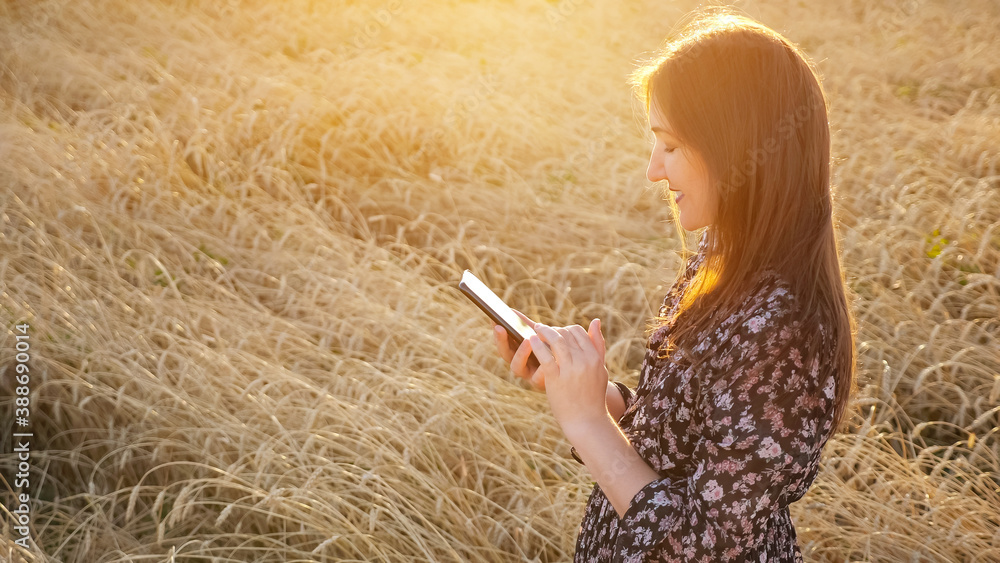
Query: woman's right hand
[[522, 363]]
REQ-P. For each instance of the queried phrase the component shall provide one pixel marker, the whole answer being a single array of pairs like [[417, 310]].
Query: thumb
[[596, 337]]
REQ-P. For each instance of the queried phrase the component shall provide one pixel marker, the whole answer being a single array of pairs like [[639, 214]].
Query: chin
[[689, 227]]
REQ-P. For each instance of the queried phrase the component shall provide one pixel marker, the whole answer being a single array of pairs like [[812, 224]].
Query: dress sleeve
[[627, 394], [764, 420]]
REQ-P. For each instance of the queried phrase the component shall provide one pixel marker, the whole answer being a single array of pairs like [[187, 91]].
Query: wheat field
[[233, 230]]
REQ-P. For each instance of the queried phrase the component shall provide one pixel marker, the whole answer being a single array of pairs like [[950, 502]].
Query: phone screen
[[494, 306]]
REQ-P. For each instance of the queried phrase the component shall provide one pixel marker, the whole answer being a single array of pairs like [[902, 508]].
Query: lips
[[678, 198]]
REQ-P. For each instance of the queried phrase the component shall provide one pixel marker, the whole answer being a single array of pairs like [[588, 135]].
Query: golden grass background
[[236, 228]]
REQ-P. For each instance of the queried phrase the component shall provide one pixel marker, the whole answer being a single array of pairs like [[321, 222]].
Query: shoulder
[[769, 304], [768, 322]]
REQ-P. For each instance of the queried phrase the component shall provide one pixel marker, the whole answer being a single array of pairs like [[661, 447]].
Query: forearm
[[615, 401], [611, 459]]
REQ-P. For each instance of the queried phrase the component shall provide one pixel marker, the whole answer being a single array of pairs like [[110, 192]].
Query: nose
[[655, 171]]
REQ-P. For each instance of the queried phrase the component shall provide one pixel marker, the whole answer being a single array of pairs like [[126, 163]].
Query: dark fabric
[[627, 393], [733, 444]]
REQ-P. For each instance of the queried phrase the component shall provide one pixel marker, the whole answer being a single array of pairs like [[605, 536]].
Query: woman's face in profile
[[685, 172]]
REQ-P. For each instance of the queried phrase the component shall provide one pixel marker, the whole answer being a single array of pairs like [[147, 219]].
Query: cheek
[[669, 163]]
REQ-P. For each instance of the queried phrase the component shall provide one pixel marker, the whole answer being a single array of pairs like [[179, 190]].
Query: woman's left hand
[[576, 379]]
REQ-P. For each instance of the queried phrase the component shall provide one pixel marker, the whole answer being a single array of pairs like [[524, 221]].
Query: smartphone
[[482, 296]]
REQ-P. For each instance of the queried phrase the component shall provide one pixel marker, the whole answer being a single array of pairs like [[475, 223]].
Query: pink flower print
[[774, 414], [730, 466], [796, 357], [708, 539], [660, 499], [724, 401], [769, 448], [786, 333], [666, 462], [828, 390], [814, 367], [755, 323], [712, 491], [727, 441]]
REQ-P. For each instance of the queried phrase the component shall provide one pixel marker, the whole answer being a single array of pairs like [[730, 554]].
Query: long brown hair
[[751, 104]]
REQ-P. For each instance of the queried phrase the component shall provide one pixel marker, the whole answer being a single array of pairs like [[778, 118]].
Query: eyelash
[[666, 149]]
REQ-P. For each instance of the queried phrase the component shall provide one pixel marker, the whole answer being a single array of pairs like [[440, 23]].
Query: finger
[[596, 336], [542, 352], [519, 363], [586, 351], [569, 336], [580, 337], [523, 317], [557, 345], [503, 346], [548, 334]]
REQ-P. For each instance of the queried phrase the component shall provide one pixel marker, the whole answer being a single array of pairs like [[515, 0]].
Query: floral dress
[[732, 456]]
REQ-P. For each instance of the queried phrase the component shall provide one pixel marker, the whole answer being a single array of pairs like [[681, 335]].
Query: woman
[[749, 365]]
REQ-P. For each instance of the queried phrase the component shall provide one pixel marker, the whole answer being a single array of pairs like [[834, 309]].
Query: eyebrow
[[658, 129]]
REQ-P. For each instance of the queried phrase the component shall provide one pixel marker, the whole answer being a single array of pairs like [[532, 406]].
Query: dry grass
[[235, 229]]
